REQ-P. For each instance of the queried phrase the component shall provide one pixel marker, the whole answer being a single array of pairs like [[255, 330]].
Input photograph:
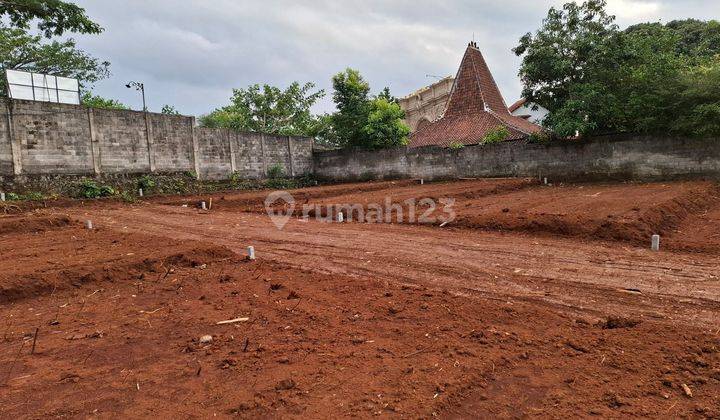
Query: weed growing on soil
[[91, 189], [276, 171], [146, 182]]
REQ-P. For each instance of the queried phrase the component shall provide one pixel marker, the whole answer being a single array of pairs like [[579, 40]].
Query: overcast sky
[[192, 53]]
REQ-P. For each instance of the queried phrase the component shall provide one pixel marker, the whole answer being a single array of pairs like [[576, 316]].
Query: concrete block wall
[[172, 139], [214, 152], [602, 158], [47, 138], [6, 156], [248, 150], [123, 141]]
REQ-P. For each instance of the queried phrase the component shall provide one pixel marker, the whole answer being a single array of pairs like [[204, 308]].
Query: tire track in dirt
[[568, 274]]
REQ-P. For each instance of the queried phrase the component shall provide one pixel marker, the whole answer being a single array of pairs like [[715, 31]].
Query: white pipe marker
[[340, 217], [251, 252], [88, 224], [2, 196], [655, 243], [203, 205], [140, 192]]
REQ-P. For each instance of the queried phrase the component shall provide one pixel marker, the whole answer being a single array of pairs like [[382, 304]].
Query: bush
[[90, 189], [146, 183], [496, 135], [456, 145], [541, 137], [276, 171], [236, 178], [34, 196]]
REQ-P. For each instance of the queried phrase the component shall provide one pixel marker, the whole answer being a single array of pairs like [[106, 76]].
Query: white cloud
[[634, 9], [191, 53]]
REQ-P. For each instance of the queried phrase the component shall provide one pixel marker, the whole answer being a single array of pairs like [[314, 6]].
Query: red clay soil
[[127, 342], [699, 231], [361, 319], [630, 212]]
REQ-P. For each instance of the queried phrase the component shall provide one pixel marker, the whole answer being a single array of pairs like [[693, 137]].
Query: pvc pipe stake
[[251, 253], [655, 243]]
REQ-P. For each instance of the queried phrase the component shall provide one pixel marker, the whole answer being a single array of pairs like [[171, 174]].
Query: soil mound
[[24, 224], [131, 268]]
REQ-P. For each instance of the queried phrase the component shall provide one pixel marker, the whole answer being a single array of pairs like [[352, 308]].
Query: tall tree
[[384, 127], [22, 51], [594, 78], [269, 109], [362, 122], [54, 17], [350, 94]]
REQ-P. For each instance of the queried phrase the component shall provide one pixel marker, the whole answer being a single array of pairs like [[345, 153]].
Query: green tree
[[361, 122], [169, 110], [571, 42], [384, 127], [696, 38], [96, 101], [350, 94], [385, 94], [22, 51], [594, 78], [269, 109], [54, 17]]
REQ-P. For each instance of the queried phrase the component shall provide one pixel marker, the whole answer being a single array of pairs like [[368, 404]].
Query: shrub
[[91, 189], [236, 177], [456, 145], [146, 183], [496, 135], [276, 171], [34, 196], [541, 137]]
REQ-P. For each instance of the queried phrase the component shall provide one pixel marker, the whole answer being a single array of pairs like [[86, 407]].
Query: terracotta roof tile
[[520, 102], [474, 108]]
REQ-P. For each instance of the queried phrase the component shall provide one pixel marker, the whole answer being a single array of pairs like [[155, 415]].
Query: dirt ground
[[536, 301]]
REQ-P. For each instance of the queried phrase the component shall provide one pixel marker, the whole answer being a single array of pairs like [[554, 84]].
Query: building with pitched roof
[[530, 111], [426, 104], [474, 109]]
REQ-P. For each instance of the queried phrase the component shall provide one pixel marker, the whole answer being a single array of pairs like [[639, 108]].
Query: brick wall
[[602, 158], [51, 138]]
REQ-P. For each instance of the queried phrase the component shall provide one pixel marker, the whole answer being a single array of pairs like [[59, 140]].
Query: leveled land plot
[[627, 212], [119, 333]]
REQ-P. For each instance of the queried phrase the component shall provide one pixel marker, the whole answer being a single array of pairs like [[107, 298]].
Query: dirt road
[[589, 277]]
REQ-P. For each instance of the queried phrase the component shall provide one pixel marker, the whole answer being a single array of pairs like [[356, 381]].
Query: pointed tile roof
[[474, 108]]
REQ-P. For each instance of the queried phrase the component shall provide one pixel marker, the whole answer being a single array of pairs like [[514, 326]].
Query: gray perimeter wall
[[602, 158], [40, 138]]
